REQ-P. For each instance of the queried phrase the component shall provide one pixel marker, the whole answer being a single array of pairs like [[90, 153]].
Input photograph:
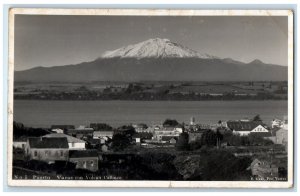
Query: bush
[[160, 165], [183, 141], [195, 145], [143, 135], [258, 140], [170, 123], [213, 165], [208, 138], [120, 142]]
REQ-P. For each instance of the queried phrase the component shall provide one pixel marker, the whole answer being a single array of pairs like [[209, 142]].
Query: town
[[250, 149], [151, 90]]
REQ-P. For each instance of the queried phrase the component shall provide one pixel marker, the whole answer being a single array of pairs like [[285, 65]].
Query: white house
[[276, 123], [140, 128], [149, 129], [47, 149], [167, 132], [73, 142], [259, 129], [103, 135], [58, 130], [280, 123], [244, 128], [138, 140]]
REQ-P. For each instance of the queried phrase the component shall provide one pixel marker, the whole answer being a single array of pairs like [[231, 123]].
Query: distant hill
[[156, 60]]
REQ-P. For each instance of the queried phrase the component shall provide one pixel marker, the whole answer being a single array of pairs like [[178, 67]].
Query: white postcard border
[[162, 184]]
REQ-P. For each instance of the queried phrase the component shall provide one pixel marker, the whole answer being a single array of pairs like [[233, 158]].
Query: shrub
[[183, 141]]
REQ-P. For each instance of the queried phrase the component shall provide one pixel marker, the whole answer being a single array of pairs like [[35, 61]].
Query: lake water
[[38, 113]]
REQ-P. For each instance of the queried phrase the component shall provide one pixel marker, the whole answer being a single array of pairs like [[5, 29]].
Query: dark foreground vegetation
[[205, 164]]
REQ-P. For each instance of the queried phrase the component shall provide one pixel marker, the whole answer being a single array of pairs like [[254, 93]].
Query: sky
[[48, 41]]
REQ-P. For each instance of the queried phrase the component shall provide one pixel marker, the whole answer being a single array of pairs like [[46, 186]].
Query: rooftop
[[44, 142], [168, 138], [243, 125], [82, 153], [62, 127], [61, 135], [103, 133], [140, 126]]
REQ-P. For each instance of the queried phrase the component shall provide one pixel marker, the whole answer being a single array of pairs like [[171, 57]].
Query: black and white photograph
[[150, 98]]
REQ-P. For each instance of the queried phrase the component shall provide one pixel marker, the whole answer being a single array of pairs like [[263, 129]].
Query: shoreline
[[126, 100]]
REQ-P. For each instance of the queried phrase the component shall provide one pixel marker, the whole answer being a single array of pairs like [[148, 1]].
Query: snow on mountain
[[256, 61], [155, 48]]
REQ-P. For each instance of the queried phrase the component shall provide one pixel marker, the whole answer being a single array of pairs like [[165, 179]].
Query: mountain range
[[156, 60]]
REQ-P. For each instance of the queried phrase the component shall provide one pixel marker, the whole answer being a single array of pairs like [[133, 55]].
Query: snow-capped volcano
[[155, 48], [156, 60]]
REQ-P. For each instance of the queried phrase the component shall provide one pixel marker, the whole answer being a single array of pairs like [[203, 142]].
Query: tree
[[257, 118], [195, 145], [230, 138], [256, 139], [133, 88], [183, 141], [209, 138], [170, 123], [120, 142], [82, 89], [211, 164], [219, 137], [143, 135], [127, 130], [19, 130], [101, 127]]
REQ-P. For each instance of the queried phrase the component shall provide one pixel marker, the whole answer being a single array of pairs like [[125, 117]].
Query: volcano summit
[[155, 48]]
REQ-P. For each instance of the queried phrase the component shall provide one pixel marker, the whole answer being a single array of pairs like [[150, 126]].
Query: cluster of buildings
[[59, 147], [160, 134], [83, 145], [277, 133], [270, 167], [66, 143]]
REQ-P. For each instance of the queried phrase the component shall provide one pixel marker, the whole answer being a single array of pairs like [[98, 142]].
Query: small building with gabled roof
[[167, 132], [141, 127], [84, 159], [47, 149], [81, 132], [244, 128], [267, 167], [169, 139]]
